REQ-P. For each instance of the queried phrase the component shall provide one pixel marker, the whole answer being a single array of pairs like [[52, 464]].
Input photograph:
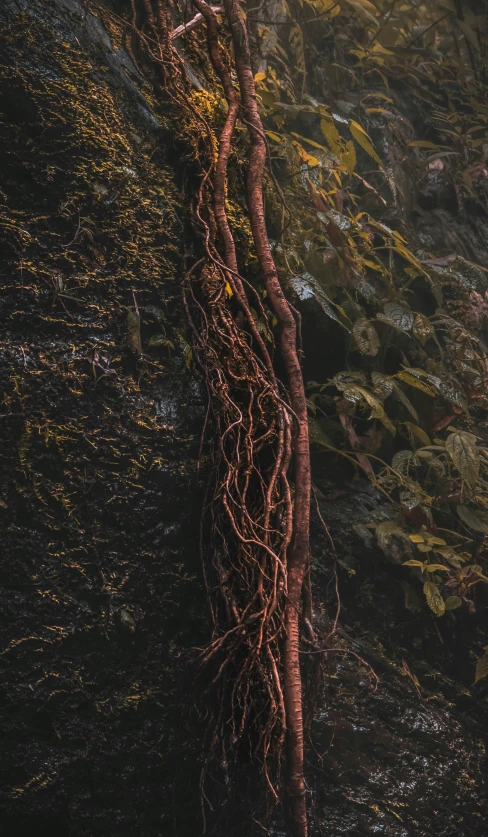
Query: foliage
[[412, 388]]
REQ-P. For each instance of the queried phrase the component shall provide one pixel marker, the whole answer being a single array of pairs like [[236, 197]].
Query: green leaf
[[398, 316], [160, 340], [406, 402], [309, 142], [401, 462], [452, 602], [377, 409], [474, 517], [450, 389], [383, 385], [420, 434], [434, 598], [469, 34], [366, 338], [465, 455], [481, 668], [378, 110], [413, 563], [307, 287], [401, 248], [389, 527], [450, 556]]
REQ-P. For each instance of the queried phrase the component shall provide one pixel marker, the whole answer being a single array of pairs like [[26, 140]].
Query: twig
[[192, 24]]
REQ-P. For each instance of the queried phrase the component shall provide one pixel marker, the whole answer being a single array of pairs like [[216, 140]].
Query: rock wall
[[101, 589], [100, 586]]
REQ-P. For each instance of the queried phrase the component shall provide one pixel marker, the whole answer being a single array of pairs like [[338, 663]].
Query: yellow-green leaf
[[377, 110], [365, 9], [364, 141], [310, 142], [434, 541], [377, 409], [434, 598], [407, 378], [424, 144], [349, 157], [481, 668], [417, 431], [296, 43], [273, 136], [332, 136], [377, 47], [435, 568]]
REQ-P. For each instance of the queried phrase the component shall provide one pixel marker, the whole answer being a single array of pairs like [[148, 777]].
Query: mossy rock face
[[100, 497]]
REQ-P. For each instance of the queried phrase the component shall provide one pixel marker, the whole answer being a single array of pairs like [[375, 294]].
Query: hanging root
[[255, 540], [247, 528], [298, 554]]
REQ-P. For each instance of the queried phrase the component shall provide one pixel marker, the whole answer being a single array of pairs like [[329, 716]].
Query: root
[[299, 548], [255, 539]]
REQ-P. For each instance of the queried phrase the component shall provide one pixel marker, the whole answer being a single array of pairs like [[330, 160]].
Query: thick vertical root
[[255, 538], [299, 550]]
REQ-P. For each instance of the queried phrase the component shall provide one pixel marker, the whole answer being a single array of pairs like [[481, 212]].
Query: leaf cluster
[[412, 386]]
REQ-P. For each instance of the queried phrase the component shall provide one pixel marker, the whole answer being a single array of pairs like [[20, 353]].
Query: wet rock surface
[[101, 592], [404, 754]]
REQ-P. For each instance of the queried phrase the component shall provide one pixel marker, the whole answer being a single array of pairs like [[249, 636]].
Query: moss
[[99, 495]]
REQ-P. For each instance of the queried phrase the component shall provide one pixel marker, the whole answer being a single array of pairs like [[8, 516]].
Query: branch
[[192, 24]]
